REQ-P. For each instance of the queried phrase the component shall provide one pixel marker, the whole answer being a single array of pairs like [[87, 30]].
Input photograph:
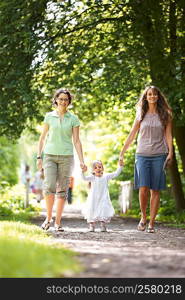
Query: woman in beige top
[[154, 150]]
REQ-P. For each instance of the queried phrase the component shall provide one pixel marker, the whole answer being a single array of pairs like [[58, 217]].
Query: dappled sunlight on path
[[122, 251]]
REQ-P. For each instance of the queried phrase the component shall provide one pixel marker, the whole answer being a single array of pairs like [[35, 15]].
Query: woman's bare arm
[[41, 144], [129, 140], [169, 140], [78, 146]]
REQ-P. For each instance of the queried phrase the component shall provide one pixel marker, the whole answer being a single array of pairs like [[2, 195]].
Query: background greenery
[[105, 52]]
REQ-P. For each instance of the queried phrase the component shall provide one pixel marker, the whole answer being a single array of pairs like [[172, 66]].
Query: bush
[[12, 204], [9, 161]]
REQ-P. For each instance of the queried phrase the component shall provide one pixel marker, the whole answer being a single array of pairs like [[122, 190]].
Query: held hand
[[83, 167], [121, 162]]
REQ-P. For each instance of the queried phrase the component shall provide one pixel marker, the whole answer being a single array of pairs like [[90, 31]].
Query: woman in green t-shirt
[[60, 132]]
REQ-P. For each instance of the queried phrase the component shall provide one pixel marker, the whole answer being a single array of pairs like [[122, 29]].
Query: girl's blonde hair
[[94, 163]]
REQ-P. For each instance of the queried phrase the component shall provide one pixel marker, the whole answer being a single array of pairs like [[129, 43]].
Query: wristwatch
[[39, 157]]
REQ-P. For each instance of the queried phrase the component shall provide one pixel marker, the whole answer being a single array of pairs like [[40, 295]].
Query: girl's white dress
[[98, 206]]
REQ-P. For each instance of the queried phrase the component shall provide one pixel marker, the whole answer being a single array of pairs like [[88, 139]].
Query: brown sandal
[[150, 229], [141, 226]]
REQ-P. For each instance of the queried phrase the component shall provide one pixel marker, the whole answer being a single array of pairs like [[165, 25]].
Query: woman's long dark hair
[[163, 109]]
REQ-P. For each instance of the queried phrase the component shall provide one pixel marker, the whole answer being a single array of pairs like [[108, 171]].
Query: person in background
[[25, 175], [38, 185], [70, 190], [26, 180]]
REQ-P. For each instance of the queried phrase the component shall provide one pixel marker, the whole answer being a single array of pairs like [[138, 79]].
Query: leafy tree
[[108, 50], [9, 161], [21, 30], [161, 24]]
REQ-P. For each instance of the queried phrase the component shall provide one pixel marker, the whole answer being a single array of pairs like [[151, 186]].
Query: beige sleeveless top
[[151, 138]]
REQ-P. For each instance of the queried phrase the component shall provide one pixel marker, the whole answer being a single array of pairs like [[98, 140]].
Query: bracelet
[[39, 157]]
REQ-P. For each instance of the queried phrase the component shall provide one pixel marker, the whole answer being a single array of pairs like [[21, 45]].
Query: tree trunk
[[179, 133], [174, 172], [176, 185]]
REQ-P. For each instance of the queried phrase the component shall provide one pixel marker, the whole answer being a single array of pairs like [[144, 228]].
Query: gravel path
[[122, 252]]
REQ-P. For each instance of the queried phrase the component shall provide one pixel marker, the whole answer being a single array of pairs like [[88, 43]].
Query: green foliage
[[94, 55], [28, 252], [12, 204], [9, 162], [21, 31], [28, 144], [104, 51], [80, 192], [114, 189]]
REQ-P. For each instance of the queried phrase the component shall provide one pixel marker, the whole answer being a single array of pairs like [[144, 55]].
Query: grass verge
[[28, 252]]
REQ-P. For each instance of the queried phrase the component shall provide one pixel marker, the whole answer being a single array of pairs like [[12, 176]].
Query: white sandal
[[150, 229], [91, 228], [46, 224], [103, 227], [58, 228]]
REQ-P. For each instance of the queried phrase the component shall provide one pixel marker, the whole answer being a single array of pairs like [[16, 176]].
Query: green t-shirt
[[59, 139]]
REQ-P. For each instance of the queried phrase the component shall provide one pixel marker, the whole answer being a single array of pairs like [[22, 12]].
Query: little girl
[[99, 207]]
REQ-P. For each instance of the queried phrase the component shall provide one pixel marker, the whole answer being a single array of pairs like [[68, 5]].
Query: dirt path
[[122, 252]]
